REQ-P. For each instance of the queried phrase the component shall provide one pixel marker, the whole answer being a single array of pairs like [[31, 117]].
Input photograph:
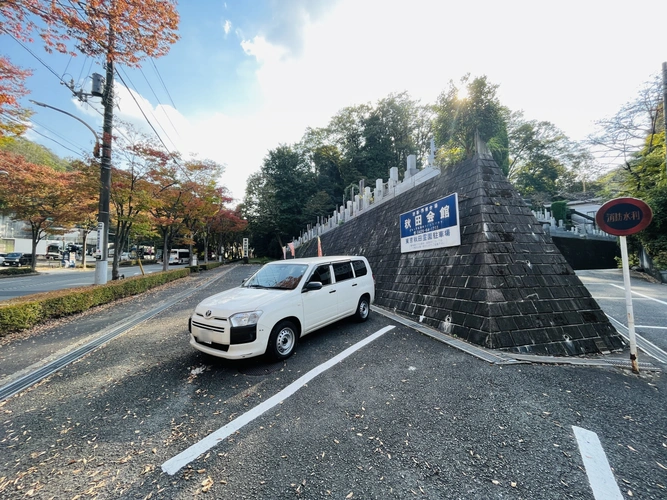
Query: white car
[[280, 303]]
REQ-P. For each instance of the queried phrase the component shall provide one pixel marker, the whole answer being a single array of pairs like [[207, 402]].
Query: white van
[[280, 303], [179, 256]]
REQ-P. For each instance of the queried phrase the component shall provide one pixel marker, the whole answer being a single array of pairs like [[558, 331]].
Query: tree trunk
[[165, 250]]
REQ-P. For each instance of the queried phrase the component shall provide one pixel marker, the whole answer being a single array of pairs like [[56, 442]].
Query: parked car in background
[[18, 259], [2, 257], [124, 256], [280, 303]]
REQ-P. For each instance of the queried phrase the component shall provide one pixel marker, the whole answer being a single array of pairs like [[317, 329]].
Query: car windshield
[[280, 276], [14, 254]]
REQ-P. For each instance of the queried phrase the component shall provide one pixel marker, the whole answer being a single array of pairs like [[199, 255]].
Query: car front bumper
[[217, 338]]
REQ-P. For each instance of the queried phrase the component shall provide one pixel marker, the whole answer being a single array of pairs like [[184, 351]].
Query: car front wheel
[[282, 340], [363, 309]]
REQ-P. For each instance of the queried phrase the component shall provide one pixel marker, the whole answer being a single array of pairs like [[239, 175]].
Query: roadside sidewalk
[[24, 352]]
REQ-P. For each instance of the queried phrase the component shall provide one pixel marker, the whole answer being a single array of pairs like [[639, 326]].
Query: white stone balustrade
[[371, 198]]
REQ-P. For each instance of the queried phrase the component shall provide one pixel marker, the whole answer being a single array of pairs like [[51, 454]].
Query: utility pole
[[664, 105], [103, 89], [102, 264]]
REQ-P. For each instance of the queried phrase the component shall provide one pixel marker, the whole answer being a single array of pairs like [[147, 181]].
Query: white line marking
[[173, 465], [654, 327], [642, 340], [642, 295], [599, 473]]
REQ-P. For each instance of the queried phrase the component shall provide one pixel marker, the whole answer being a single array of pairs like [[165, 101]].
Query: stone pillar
[[378, 190], [393, 174], [367, 197], [412, 167]]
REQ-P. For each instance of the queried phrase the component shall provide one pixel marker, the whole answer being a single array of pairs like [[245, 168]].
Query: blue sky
[[249, 75]]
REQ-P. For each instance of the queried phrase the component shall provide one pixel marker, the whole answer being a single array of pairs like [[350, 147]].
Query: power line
[[82, 68], [78, 153], [158, 100], [151, 110], [183, 170], [57, 134], [34, 55], [162, 81], [147, 120]]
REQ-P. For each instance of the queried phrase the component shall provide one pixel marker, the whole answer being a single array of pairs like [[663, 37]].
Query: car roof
[[318, 260]]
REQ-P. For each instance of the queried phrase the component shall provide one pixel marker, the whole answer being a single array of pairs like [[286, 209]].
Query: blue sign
[[435, 225]]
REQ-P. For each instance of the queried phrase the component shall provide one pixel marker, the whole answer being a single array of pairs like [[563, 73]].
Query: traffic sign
[[624, 216]]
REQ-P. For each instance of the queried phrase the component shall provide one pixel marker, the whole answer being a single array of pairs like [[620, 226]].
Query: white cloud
[[227, 27], [565, 64]]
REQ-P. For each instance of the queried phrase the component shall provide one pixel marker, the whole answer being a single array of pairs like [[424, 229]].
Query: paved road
[[649, 304], [371, 410], [55, 278]]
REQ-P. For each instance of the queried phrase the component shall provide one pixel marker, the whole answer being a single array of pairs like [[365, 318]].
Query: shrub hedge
[[23, 313], [209, 266]]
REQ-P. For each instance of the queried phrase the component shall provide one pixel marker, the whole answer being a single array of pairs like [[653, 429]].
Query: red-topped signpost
[[621, 217]]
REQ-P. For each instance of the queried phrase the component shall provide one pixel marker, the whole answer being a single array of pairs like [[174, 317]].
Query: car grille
[[213, 345], [211, 317], [208, 326]]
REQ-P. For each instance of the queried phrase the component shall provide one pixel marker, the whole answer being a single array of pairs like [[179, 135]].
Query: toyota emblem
[[208, 313]]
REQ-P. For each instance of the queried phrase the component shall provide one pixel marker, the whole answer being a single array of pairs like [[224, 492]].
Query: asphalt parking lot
[[401, 415]]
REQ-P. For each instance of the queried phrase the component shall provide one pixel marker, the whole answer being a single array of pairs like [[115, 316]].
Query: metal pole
[[97, 138], [102, 264], [664, 105], [628, 305]]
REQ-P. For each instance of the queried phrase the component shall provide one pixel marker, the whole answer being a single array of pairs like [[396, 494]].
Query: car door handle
[[332, 291], [355, 284]]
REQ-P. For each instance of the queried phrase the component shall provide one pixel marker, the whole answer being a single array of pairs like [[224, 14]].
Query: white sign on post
[[100, 240]]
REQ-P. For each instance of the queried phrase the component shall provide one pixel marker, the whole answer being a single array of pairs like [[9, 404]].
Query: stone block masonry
[[506, 287]]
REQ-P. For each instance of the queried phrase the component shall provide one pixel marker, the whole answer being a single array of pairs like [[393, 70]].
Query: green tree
[[35, 153], [463, 110], [276, 198], [634, 141], [543, 162], [395, 128], [365, 141]]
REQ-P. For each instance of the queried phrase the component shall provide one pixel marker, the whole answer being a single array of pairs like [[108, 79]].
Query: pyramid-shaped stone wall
[[505, 287]]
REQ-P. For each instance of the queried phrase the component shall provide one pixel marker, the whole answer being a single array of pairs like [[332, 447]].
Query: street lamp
[[96, 149], [101, 265]]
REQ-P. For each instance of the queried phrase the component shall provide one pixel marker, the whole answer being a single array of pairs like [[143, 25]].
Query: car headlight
[[245, 319]]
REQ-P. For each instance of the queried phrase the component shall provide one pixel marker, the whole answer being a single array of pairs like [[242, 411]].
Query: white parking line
[[173, 465], [642, 295], [599, 473]]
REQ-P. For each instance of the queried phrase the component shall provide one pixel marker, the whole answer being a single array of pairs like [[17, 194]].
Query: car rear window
[[359, 268], [342, 271]]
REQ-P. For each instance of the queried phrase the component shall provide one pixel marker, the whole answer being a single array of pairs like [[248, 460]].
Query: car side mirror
[[312, 285]]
